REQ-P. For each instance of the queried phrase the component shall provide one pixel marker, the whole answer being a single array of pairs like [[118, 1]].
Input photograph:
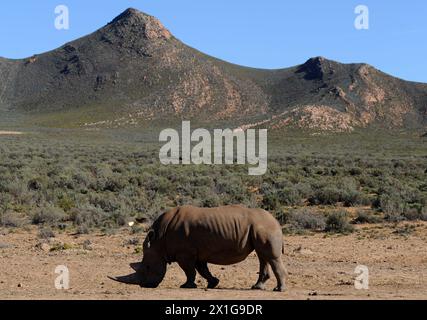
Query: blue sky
[[264, 34]]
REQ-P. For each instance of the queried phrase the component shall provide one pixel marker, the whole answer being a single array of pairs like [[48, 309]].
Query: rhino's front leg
[[189, 266]]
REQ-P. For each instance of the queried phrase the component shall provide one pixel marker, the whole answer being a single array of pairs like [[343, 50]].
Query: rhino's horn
[[135, 266], [133, 278]]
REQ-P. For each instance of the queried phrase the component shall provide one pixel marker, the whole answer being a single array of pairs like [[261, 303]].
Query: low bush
[[424, 214], [46, 233], [328, 195], [307, 219], [87, 217], [289, 197], [338, 222], [49, 215], [12, 219], [366, 217], [412, 214], [271, 201]]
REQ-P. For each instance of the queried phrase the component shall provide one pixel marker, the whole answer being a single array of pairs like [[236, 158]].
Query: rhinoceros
[[194, 237]]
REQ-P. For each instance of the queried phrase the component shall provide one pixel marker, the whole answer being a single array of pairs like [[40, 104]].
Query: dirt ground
[[320, 267]]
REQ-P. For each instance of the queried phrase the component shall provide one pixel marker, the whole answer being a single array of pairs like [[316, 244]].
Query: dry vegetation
[[67, 197], [94, 181]]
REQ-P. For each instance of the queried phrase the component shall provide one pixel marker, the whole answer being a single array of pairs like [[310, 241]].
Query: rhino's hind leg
[[279, 272], [202, 268], [264, 275], [190, 271]]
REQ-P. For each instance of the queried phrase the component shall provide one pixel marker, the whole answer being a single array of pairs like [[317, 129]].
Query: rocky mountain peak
[[316, 68], [133, 20], [129, 14]]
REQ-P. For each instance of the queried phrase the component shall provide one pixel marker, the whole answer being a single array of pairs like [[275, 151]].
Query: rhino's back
[[220, 235]]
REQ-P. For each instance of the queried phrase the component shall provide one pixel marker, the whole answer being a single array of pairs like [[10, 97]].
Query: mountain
[[133, 70]]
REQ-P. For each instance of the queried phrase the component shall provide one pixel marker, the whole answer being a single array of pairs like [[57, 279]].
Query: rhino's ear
[[150, 236]]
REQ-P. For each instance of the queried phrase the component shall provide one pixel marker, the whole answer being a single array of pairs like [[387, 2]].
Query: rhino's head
[[151, 271]]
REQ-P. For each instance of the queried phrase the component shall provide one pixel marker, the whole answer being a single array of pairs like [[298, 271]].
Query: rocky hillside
[[134, 70]]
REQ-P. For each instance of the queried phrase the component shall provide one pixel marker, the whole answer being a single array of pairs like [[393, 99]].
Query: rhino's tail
[[283, 247]]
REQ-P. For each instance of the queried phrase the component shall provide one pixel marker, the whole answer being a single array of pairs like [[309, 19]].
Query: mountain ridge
[[133, 70]]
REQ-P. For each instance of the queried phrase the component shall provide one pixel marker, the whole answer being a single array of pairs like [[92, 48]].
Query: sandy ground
[[320, 267]]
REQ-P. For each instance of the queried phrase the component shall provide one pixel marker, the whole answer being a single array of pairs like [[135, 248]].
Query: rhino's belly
[[224, 255], [211, 242], [227, 258]]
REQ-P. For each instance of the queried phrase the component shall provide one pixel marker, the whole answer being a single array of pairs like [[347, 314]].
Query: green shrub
[[304, 189], [12, 219], [352, 197], [289, 197], [49, 215], [61, 246], [328, 195], [211, 201], [337, 222], [282, 216], [137, 229], [424, 214], [394, 217], [412, 214], [366, 217], [271, 201], [46, 233], [66, 203], [307, 219], [87, 217]]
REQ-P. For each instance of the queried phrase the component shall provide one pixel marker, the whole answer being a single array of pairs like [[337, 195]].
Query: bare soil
[[320, 266]]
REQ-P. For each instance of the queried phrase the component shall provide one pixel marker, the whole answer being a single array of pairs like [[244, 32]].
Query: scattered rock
[[132, 242], [303, 251], [87, 245], [5, 246], [49, 246], [313, 293], [44, 246], [345, 283], [20, 285]]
